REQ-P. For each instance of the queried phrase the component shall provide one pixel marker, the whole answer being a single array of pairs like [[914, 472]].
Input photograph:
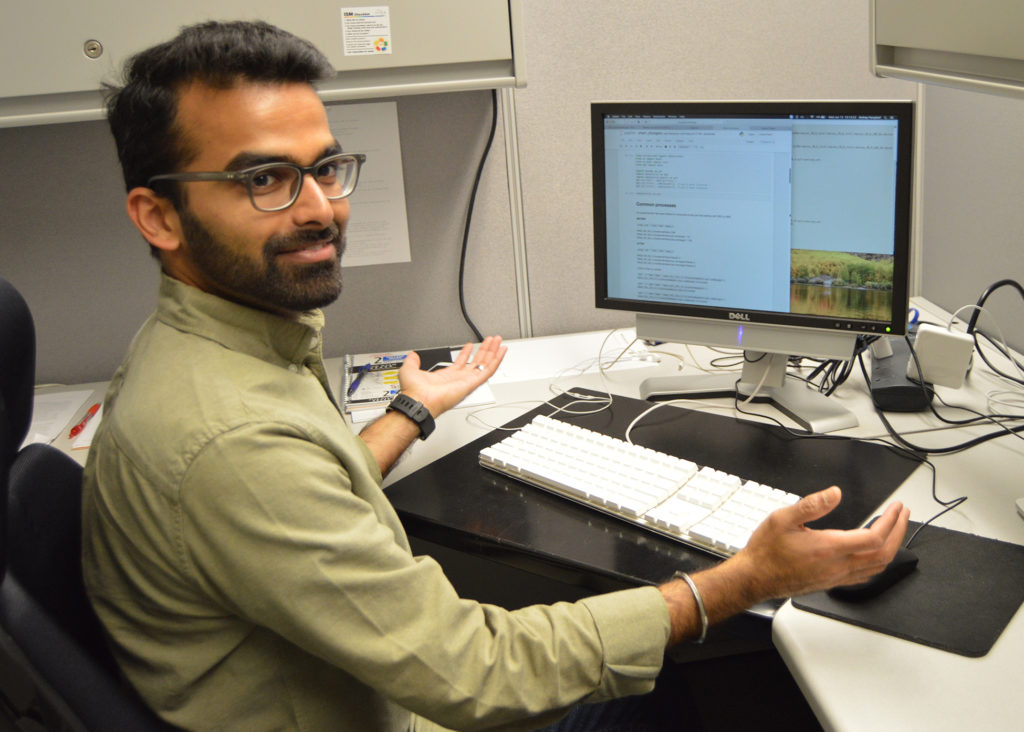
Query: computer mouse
[[901, 565]]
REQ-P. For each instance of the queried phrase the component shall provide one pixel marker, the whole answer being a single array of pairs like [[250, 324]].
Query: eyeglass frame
[[246, 175]]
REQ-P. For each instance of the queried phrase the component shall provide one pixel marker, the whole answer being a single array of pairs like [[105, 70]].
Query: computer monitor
[[781, 228]]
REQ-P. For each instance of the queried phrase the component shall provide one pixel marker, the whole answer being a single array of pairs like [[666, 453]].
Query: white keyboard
[[697, 505]]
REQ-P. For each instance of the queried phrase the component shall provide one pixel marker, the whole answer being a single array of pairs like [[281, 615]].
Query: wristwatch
[[415, 411]]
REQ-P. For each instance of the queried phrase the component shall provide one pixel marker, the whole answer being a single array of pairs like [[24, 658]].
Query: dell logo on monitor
[[739, 316]]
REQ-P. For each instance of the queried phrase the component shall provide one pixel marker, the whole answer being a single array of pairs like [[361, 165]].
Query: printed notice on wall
[[366, 31], [378, 230]]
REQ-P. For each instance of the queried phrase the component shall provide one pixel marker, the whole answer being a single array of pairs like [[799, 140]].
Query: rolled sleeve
[[633, 626]]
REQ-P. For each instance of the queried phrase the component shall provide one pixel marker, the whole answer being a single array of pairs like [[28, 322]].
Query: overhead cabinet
[[975, 45], [56, 55]]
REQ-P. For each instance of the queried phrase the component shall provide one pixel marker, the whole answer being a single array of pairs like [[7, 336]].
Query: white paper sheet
[[378, 230], [52, 412]]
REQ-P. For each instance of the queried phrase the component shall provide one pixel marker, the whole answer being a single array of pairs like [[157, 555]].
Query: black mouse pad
[[964, 592]]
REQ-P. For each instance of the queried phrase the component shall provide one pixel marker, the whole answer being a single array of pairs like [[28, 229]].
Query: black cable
[[469, 216], [998, 347], [903, 451], [835, 372], [973, 330], [984, 296], [950, 448], [947, 505]]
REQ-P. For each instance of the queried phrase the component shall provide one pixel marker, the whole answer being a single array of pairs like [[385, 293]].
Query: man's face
[[282, 261]]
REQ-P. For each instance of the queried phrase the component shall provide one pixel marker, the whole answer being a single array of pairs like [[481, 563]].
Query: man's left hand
[[442, 389]]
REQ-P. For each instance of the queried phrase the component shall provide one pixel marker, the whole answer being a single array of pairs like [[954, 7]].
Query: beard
[[262, 281]]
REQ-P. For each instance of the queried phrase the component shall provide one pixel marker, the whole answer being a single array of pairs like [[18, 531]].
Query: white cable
[[703, 404], [760, 384]]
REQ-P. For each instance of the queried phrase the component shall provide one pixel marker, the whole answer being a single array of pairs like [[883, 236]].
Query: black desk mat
[[964, 592], [456, 502]]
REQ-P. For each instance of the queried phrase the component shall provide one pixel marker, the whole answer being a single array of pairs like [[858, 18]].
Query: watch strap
[[415, 411]]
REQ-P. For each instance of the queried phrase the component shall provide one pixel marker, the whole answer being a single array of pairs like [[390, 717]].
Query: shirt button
[[293, 367]]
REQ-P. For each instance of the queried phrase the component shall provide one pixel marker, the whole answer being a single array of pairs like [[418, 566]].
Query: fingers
[[892, 530], [463, 358], [884, 536], [812, 507], [888, 527], [870, 550], [489, 350], [412, 361], [487, 357], [885, 524], [869, 563]]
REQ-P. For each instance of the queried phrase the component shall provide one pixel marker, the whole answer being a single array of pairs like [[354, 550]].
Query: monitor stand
[[811, 409]]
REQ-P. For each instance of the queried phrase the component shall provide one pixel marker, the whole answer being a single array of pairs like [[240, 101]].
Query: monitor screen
[[772, 226]]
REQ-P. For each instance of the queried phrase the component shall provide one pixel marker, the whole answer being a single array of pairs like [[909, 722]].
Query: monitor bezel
[[902, 110]]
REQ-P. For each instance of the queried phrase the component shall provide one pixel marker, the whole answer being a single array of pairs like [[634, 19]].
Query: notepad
[[370, 380]]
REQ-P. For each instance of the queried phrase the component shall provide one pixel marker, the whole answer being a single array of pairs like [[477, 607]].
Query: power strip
[[891, 390]]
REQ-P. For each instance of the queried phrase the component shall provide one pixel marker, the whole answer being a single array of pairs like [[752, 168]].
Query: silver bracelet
[[700, 604]]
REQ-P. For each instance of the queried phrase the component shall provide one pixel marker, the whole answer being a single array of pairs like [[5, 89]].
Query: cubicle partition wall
[[88, 276]]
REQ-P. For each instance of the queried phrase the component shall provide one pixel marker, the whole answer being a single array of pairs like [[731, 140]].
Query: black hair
[[142, 111]]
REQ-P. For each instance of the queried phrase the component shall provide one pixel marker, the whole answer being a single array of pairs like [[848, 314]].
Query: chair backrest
[[43, 605], [17, 383], [17, 370], [44, 536]]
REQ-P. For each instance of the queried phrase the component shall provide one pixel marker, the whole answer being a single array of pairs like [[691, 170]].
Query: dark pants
[[739, 692], [668, 707]]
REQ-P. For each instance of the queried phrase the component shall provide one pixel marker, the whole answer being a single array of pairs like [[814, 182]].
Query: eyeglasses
[[276, 186]]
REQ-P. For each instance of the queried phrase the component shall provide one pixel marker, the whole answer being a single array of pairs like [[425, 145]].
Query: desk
[[853, 678]]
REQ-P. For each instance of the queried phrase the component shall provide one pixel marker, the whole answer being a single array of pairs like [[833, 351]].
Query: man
[[237, 545]]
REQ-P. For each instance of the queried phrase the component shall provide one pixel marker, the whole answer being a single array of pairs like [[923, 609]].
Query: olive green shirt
[[252, 575]]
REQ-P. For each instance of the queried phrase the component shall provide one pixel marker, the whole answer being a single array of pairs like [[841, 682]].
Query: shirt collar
[[261, 334]]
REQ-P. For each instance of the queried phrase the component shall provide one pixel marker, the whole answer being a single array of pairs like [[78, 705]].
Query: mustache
[[304, 238]]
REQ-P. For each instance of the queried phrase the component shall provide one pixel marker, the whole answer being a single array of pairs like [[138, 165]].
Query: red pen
[[85, 420]]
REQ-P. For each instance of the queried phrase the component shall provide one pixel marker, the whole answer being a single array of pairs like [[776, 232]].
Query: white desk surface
[[857, 679], [853, 678]]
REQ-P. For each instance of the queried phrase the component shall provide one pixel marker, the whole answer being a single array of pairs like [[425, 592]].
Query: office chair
[[17, 379], [50, 633], [43, 605], [17, 365]]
